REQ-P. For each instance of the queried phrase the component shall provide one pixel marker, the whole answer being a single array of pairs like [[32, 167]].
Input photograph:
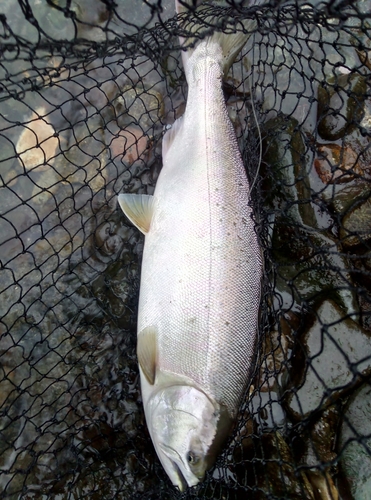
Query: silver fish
[[201, 275]]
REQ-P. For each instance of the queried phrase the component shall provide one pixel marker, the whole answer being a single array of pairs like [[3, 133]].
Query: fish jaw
[[185, 428]]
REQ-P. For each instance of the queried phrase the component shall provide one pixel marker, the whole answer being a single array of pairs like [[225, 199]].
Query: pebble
[[37, 144]]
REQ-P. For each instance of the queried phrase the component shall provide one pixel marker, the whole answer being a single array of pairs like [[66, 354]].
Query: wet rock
[[364, 57], [319, 454], [361, 275], [47, 181], [38, 144], [172, 70], [365, 123], [329, 360], [236, 116], [265, 462], [111, 386], [266, 407], [120, 291], [322, 438], [87, 157], [336, 163], [276, 351], [107, 240], [340, 198], [322, 485], [320, 269], [54, 22], [340, 105], [355, 455], [356, 225], [37, 413], [365, 306], [288, 186], [126, 146], [138, 106]]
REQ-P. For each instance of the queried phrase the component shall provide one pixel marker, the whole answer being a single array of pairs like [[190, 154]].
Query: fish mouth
[[181, 481], [177, 477], [182, 484]]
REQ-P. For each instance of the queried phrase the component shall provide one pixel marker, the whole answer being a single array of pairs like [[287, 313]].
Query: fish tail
[[231, 40]]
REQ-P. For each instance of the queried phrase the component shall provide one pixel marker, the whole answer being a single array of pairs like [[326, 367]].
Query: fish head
[[185, 427]]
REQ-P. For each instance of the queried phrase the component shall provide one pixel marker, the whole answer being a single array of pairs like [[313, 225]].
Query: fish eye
[[192, 458]]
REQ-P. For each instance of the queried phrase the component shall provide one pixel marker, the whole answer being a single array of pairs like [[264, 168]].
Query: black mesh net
[[87, 90]]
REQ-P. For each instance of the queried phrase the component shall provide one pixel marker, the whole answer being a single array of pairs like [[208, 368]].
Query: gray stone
[[355, 455], [336, 352]]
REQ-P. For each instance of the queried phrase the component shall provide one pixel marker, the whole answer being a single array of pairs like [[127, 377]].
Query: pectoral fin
[[138, 208], [147, 352]]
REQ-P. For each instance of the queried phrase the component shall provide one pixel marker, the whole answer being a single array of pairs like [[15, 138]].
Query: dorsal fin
[[138, 208], [147, 352]]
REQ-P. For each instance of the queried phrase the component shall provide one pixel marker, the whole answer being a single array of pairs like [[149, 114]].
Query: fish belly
[[201, 270]]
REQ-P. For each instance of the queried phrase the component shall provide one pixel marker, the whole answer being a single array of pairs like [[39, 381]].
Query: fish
[[201, 275]]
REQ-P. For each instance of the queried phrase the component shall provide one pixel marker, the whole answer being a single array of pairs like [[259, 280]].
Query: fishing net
[[87, 90]]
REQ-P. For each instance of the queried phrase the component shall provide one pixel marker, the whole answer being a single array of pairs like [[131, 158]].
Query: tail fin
[[199, 19]]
